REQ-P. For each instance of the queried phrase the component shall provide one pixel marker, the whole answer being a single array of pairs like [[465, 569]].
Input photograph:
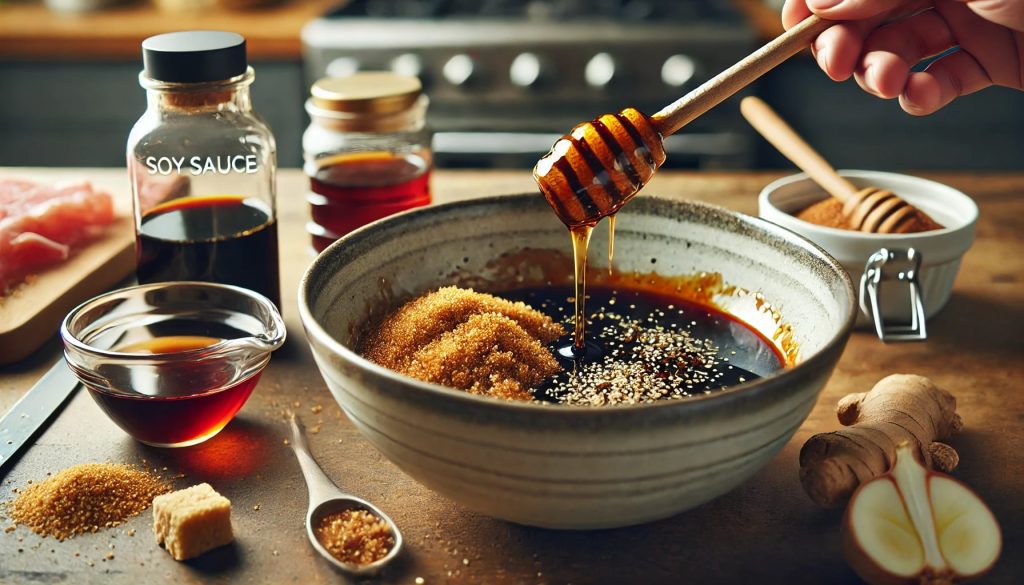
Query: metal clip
[[870, 285]]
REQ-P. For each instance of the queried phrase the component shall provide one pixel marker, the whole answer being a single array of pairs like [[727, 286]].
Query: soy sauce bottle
[[202, 166]]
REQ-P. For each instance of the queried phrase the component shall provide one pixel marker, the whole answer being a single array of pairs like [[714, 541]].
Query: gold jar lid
[[370, 92]]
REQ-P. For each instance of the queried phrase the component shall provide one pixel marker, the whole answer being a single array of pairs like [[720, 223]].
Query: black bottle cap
[[194, 56]]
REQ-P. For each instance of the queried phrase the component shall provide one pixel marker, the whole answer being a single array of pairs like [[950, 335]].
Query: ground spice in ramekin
[[85, 498], [826, 213], [356, 537], [829, 213]]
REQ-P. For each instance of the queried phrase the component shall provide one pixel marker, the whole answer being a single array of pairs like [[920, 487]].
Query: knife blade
[[36, 407]]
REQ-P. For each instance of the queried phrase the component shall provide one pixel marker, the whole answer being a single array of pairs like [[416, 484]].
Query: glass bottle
[[202, 164], [367, 151]]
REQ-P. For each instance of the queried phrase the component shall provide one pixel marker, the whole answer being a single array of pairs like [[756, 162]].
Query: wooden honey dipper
[[870, 209], [597, 168]]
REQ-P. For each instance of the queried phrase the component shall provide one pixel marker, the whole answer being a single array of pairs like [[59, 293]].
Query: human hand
[[878, 44]]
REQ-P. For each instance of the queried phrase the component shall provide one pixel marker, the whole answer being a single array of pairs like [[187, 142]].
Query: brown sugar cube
[[192, 521]]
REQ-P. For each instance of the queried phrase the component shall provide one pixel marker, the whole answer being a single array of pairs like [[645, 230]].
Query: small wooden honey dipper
[[870, 209], [599, 166]]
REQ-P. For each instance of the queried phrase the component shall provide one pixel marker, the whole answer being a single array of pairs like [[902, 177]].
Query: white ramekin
[[940, 250]]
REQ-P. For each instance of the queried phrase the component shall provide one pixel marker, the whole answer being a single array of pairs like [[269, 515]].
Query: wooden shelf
[[30, 31]]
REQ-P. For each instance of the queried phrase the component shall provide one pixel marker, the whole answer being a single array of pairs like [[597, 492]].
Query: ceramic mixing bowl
[[939, 251], [562, 466]]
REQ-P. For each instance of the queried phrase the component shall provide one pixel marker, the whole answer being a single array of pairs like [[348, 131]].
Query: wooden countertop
[[29, 30], [766, 531]]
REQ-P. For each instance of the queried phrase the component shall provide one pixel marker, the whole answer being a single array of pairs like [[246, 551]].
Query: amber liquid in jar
[[351, 190], [170, 412]]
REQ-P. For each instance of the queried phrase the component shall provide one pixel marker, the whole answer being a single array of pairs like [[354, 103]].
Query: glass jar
[[202, 166], [367, 151]]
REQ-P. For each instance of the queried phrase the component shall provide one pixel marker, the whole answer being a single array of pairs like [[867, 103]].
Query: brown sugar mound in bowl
[[829, 213], [467, 340], [85, 498]]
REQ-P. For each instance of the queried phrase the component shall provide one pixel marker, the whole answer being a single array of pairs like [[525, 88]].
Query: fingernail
[[822, 4], [822, 58]]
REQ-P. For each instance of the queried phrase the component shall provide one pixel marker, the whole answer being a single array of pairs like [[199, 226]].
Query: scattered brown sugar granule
[[85, 498], [829, 213], [467, 340], [357, 537]]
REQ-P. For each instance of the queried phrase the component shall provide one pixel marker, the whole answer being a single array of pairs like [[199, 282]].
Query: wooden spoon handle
[[775, 130], [713, 91]]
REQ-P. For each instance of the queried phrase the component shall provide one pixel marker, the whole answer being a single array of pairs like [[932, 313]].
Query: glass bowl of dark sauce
[[172, 363]]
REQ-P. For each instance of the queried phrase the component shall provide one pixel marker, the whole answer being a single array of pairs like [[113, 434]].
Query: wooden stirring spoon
[[599, 166], [870, 209]]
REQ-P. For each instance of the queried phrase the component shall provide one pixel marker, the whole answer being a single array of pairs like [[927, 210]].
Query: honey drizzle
[[580, 245], [611, 241]]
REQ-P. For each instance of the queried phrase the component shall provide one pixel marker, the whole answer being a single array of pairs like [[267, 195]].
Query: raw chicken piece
[[39, 224]]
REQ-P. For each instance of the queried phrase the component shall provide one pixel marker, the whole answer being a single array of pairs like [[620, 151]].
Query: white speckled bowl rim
[[362, 240]]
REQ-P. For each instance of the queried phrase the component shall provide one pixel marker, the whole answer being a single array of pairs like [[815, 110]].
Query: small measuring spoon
[[325, 498]]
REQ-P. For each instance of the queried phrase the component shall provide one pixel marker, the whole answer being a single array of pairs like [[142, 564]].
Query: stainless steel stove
[[506, 78]]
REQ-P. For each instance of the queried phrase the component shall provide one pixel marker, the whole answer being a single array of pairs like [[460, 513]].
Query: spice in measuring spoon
[[356, 537]]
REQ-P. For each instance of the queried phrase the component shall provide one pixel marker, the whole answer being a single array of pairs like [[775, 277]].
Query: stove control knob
[[342, 67], [678, 70], [527, 71], [600, 70], [460, 70], [408, 64]]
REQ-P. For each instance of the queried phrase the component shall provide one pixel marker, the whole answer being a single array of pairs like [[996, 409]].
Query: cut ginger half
[[913, 525]]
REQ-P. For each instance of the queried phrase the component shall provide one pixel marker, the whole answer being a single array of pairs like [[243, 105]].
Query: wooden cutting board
[[33, 312]]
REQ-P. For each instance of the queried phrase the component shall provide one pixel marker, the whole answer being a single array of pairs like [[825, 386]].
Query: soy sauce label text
[[201, 165]]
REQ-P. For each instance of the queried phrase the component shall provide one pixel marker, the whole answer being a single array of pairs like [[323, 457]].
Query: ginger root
[[900, 407]]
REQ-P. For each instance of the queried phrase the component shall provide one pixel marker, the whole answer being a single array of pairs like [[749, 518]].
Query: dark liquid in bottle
[[651, 344], [171, 412], [349, 191], [227, 239]]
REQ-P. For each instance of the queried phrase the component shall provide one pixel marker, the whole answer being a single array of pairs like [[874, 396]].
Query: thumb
[[850, 9]]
